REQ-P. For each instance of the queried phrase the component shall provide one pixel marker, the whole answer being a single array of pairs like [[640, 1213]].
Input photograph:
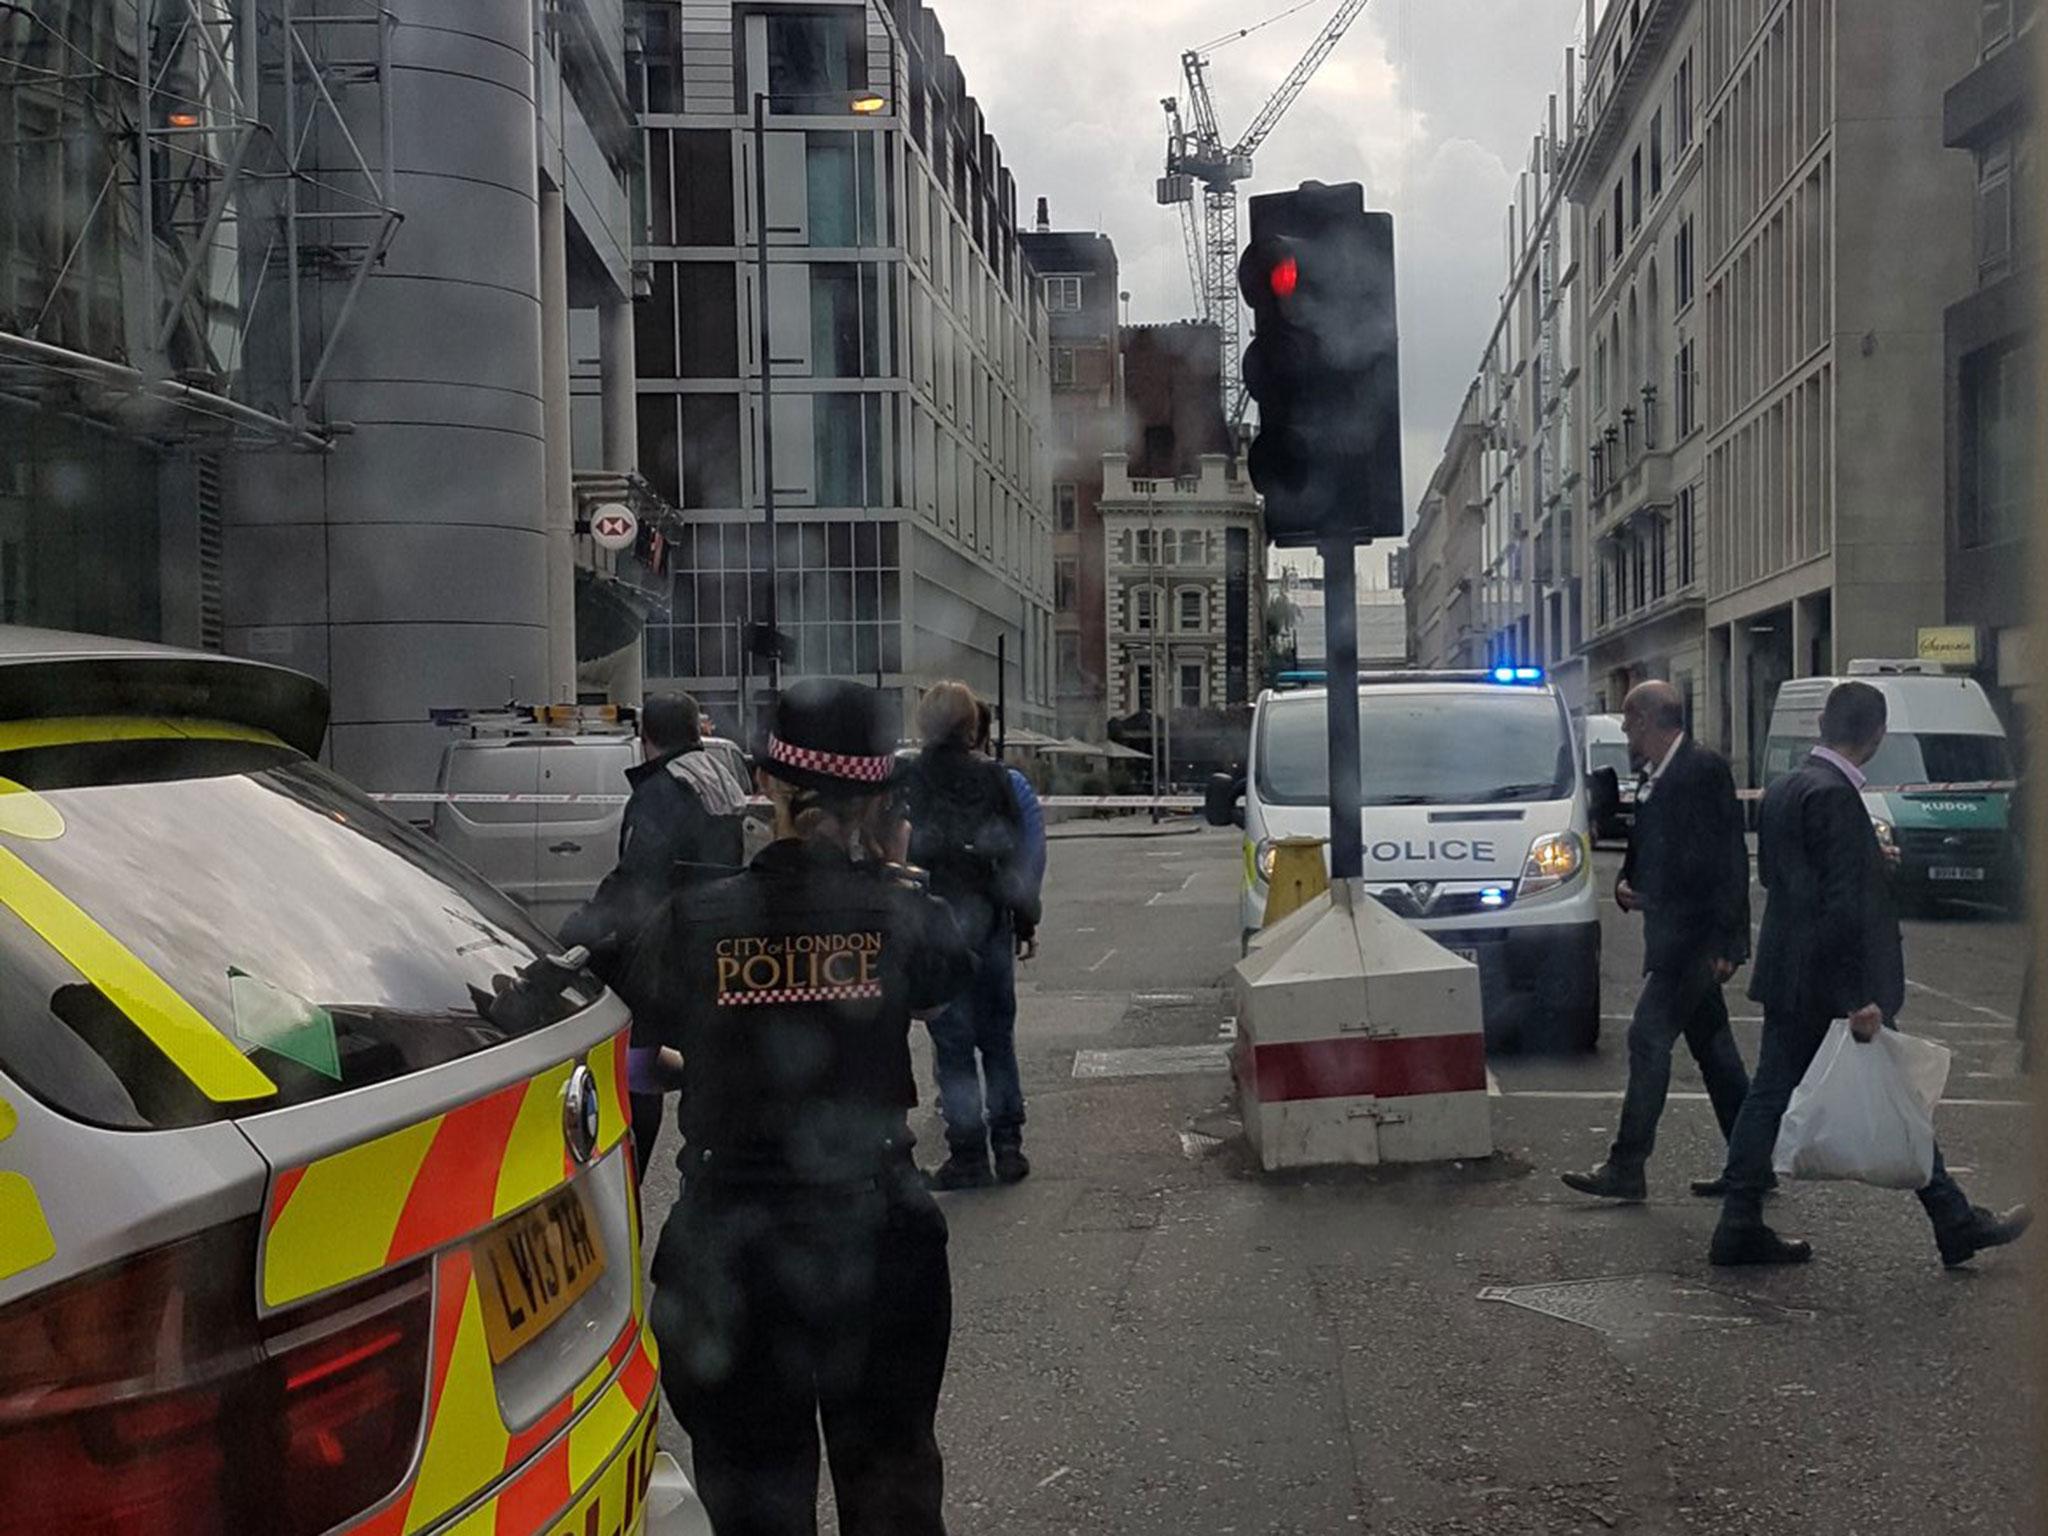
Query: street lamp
[[862, 104]]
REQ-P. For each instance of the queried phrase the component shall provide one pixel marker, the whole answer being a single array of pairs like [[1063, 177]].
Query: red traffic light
[[1285, 277]]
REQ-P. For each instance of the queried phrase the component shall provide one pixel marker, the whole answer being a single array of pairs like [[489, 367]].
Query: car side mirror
[[1223, 801], [1603, 794]]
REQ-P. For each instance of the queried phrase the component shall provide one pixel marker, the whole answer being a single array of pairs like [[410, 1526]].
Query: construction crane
[[1197, 154]]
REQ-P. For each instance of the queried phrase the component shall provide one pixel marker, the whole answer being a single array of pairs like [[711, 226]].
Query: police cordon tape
[[1051, 802]]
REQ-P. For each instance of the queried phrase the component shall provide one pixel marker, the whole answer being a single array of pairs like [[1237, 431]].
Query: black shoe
[[1717, 1187], [962, 1170], [1756, 1245], [1987, 1229], [1012, 1166], [1610, 1183]]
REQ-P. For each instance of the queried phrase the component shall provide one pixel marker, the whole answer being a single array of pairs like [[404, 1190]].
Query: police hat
[[831, 733]]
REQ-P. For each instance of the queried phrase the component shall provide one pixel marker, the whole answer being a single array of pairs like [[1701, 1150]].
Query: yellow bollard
[[1300, 875]]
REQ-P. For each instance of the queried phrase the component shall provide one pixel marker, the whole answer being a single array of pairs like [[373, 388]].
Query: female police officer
[[803, 1271]]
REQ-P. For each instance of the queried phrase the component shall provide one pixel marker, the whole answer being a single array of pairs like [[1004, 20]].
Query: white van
[[1607, 747], [1475, 824], [1940, 788], [547, 857]]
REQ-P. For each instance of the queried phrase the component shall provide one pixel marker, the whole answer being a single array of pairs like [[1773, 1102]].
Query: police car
[[317, 1212], [1475, 829]]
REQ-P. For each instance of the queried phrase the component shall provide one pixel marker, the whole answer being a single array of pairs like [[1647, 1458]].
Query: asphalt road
[[1151, 1338]]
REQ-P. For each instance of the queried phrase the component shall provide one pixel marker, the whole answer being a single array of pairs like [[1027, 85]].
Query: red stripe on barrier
[[1358, 1066]]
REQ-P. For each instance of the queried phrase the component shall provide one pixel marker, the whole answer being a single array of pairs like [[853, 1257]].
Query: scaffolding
[[192, 195]]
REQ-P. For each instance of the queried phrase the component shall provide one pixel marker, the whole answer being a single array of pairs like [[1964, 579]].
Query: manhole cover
[[1638, 1306], [1152, 1061]]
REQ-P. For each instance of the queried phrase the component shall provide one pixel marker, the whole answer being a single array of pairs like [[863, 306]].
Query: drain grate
[[1641, 1306]]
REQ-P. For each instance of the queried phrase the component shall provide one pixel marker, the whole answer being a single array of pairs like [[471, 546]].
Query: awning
[[610, 614]]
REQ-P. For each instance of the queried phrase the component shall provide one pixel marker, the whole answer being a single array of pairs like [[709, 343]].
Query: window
[[1600, 250], [1066, 428], [846, 477], [1066, 507], [1141, 687], [1066, 586], [1063, 365], [688, 325], [1686, 390], [1190, 685], [1141, 547], [813, 58], [1682, 260], [1063, 295], [1194, 548], [1657, 156], [1998, 392], [1635, 190], [1067, 650], [1688, 536], [1191, 605], [1994, 212], [1660, 553], [840, 189], [1618, 211], [1142, 602], [835, 320], [1681, 106]]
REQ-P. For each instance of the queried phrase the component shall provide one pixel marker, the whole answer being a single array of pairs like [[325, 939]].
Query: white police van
[[1475, 822]]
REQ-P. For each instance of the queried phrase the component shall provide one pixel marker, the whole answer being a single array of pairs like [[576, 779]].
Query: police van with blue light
[[1475, 825]]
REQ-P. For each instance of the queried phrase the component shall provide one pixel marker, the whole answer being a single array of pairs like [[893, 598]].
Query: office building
[[1078, 273], [318, 413], [1829, 250], [908, 345], [1990, 371], [1444, 556]]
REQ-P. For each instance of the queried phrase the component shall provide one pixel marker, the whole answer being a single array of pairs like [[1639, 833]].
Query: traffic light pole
[[1340, 628]]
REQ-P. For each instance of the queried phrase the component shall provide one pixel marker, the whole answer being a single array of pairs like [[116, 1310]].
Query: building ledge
[[1991, 99]]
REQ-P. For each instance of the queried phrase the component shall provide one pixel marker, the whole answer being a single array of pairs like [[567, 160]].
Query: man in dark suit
[[1830, 949], [1687, 872]]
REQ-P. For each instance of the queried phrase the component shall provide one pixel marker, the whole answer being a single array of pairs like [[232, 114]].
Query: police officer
[[802, 1274]]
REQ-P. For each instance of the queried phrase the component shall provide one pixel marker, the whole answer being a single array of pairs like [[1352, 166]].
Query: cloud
[[1430, 103]]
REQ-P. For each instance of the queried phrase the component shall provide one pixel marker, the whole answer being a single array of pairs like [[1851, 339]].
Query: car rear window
[[334, 946]]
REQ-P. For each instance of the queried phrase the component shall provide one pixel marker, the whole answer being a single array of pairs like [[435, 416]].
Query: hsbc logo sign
[[614, 527]]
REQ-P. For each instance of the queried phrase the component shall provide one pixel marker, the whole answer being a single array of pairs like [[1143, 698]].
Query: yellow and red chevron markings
[[429, 1184], [425, 1189]]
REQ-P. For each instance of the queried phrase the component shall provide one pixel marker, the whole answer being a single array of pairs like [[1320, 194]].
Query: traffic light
[[1324, 365]]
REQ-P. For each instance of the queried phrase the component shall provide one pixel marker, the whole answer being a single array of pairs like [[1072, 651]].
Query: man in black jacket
[[1830, 949], [968, 830], [682, 824], [1687, 872]]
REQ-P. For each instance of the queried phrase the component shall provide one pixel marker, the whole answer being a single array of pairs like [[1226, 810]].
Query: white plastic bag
[[1865, 1111]]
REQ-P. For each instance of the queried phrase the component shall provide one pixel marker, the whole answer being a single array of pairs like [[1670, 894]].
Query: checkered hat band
[[864, 770], [851, 990]]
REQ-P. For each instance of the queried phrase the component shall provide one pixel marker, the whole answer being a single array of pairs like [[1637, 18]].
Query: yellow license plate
[[531, 1268], [616, 1504]]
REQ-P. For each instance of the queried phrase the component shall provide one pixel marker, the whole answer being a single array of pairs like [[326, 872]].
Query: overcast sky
[[1430, 103]]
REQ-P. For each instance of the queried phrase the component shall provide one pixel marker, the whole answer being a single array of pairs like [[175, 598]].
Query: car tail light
[[147, 1398]]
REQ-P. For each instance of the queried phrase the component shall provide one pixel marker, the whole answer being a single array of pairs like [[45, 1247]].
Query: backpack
[[965, 827]]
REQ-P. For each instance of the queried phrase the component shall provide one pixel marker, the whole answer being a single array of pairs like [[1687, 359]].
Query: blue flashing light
[[1503, 674], [1511, 675], [1493, 896]]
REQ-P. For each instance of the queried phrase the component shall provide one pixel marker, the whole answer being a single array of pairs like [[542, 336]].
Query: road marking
[[1960, 1002], [1152, 1061], [1492, 1084], [1162, 997], [1177, 890], [1614, 1095], [1084, 930], [1098, 965]]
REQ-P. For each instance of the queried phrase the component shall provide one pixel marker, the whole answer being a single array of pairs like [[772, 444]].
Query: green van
[[1939, 789]]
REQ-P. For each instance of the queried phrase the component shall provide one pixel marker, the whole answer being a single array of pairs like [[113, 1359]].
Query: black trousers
[[777, 1308], [647, 1115], [1677, 1003], [1790, 1042]]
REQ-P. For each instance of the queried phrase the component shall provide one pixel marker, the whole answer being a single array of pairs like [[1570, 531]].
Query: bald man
[[1687, 873]]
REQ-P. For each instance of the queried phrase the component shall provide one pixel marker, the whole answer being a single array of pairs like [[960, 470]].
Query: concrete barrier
[[1359, 1041]]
